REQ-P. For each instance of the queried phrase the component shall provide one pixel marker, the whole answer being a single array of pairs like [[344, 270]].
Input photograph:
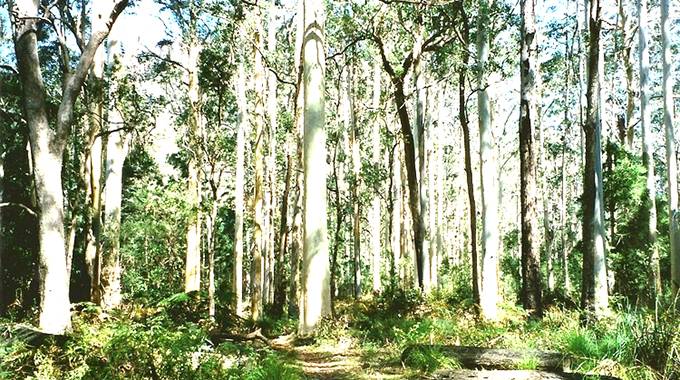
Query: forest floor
[[366, 339], [342, 361]]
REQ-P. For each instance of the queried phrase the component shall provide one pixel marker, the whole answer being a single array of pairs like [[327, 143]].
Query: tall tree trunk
[[647, 148], [47, 147], [259, 232], [272, 110], [594, 292], [431, 137], [563, 170], [339, 177], [192, 281], [243, 122], [116, 151], [295, 293], [531, 263], [94, 160], [375, 202], [355, 159], [315, 270], [409, 155], [671, 159], [465, 126], [627, 130], [420, 137], [490, 225]]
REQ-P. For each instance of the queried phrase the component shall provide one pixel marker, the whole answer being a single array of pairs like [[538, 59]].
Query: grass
[[373, 332]]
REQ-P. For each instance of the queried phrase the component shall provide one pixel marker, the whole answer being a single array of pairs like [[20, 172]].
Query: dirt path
[[342, 362]]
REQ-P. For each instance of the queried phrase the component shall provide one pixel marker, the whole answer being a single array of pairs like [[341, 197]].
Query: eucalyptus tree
[[594, 291], [647, 149], [436, 22], [315, 302], [190, 18], [48, 140], [489, 182], [671, 159], [531, 266]]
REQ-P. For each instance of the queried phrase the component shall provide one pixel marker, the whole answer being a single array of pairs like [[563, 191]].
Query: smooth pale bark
[[489, 296], [272, 112], [94, 160], [295, 293], [47, 148], [315, 268], [431, 136], [421, 137], [594, 291], [243, 122], [563, 172], [192, 274], [116, 151], [647, 144], [376, 263], [257, 285], [671, 159], [531, 263], [627, 132], [465, 126]]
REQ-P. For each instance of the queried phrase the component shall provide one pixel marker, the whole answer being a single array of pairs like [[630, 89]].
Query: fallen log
[[467, 374], [217, 336], [13, 333], [491, 358]]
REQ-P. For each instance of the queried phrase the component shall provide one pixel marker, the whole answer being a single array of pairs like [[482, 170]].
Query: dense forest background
[[198, 188]]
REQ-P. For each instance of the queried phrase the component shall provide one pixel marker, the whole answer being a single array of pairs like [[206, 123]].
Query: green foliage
[[429, 359], [154, 347], [152, 240], [625, 193]]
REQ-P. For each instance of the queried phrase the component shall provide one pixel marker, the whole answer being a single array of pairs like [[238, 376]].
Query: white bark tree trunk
[[259, 231], [315, 269], [47, 147], [490, 241], [192, 281], [375, 202], [243, 122], [671, 159], [116, 151], [647, 143]]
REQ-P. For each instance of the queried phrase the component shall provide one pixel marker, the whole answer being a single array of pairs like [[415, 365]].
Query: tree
[[47, 146], [531, 265], [116, 151], [490, 227], [192, 273], [594, 292], [259, 232], [671, 159], [315, 268], [242, 102], [465, 126], [647, 149], [375, 202]]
